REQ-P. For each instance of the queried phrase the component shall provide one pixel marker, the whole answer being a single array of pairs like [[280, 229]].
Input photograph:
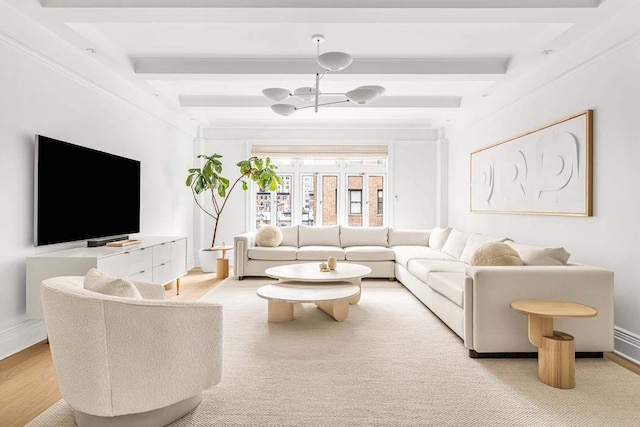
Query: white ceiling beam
[[365, 15], [215, 101], [360, 66], [343, 4]]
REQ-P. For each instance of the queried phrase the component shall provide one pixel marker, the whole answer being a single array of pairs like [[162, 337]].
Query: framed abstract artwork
[[547, 171]]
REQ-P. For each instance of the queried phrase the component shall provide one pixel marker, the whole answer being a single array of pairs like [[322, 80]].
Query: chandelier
[[327, 62]]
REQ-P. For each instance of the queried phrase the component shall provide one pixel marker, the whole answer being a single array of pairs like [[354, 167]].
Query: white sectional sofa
[[435, 266]]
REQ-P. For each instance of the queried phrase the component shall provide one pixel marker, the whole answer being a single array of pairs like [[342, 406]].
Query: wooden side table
[[556, 350], [222, 263]]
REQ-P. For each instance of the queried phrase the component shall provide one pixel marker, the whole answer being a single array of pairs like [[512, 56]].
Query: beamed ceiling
[[212, 58]]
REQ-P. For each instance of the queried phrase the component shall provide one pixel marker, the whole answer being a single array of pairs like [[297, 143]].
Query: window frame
[[356, 202], [342, 170]]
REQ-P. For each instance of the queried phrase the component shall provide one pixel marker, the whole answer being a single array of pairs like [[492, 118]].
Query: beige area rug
[[391, 363]]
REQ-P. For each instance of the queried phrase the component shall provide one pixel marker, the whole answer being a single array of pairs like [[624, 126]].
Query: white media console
[[155, 259]]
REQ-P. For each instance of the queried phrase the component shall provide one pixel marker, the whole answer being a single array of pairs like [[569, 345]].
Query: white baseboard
[[21, 336], [627, 344]]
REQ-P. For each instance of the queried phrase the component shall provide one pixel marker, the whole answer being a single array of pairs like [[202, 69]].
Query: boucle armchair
[[123, 361]]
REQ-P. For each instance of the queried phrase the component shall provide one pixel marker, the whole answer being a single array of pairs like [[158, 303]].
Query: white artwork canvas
[[547, 171]]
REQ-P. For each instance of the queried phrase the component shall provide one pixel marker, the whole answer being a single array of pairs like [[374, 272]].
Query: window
[[283, 201], [275, 207], [329, 200], [309, 191], [324, 185], [355, 202], [263, 209]]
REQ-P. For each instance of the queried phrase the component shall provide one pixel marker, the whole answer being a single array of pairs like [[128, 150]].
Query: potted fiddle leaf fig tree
[[208, 178]]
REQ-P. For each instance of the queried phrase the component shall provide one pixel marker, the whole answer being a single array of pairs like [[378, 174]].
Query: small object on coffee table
[[324, 267], [556, 350], [332, 262]]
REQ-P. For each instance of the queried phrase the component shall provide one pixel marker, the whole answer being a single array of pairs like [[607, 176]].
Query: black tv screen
[[82, 193]]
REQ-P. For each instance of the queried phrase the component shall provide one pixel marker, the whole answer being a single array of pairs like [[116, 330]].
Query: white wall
[[413, 166], [44, 94], [607, 82], [414, 179]]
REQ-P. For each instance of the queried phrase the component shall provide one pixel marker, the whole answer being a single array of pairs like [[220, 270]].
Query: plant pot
[[208, 260]]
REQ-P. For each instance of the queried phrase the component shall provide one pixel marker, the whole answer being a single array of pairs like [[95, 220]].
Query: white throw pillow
[[455, 243], [269, 235], [408, 237], [535, 255], [289, 236], [309, 235], [475, 241], [98, 281], [438, 237], [363, 236]]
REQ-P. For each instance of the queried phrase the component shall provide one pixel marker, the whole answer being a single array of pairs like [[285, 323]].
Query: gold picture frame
[[546, 171]]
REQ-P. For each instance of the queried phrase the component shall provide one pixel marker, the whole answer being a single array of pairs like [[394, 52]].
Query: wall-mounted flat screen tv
[[82, 193]]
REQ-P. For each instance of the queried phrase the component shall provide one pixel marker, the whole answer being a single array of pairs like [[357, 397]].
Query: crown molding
[[68, 72], [314, 4]]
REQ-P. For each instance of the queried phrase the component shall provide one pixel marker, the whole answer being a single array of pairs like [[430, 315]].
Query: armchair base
[[157, 417]]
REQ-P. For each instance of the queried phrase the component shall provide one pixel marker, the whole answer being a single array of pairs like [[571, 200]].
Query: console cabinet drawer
[[178, 257], [143, 276], [161, 254], [139, 261], [115, 265], [162, 273]]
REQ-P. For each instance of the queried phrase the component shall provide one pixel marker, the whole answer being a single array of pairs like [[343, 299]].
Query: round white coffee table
[[330, 297], [310, 272]]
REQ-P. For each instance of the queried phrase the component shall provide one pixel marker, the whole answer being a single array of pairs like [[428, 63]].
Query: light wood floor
[[28, 382]]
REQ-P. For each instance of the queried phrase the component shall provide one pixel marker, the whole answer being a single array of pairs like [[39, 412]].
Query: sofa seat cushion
[[404, 254], [422, 267], [450, 285], [320, 253], [278, 253], [368, 253]]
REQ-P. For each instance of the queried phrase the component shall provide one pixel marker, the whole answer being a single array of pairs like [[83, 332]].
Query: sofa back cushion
[[535, 255], [475, 242], [438, 237], [289, 236], [319, 235], [408, 237], [455, 243], [363, 236]]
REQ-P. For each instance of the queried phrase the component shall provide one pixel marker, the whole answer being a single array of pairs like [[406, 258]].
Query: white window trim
[[341, 170]]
